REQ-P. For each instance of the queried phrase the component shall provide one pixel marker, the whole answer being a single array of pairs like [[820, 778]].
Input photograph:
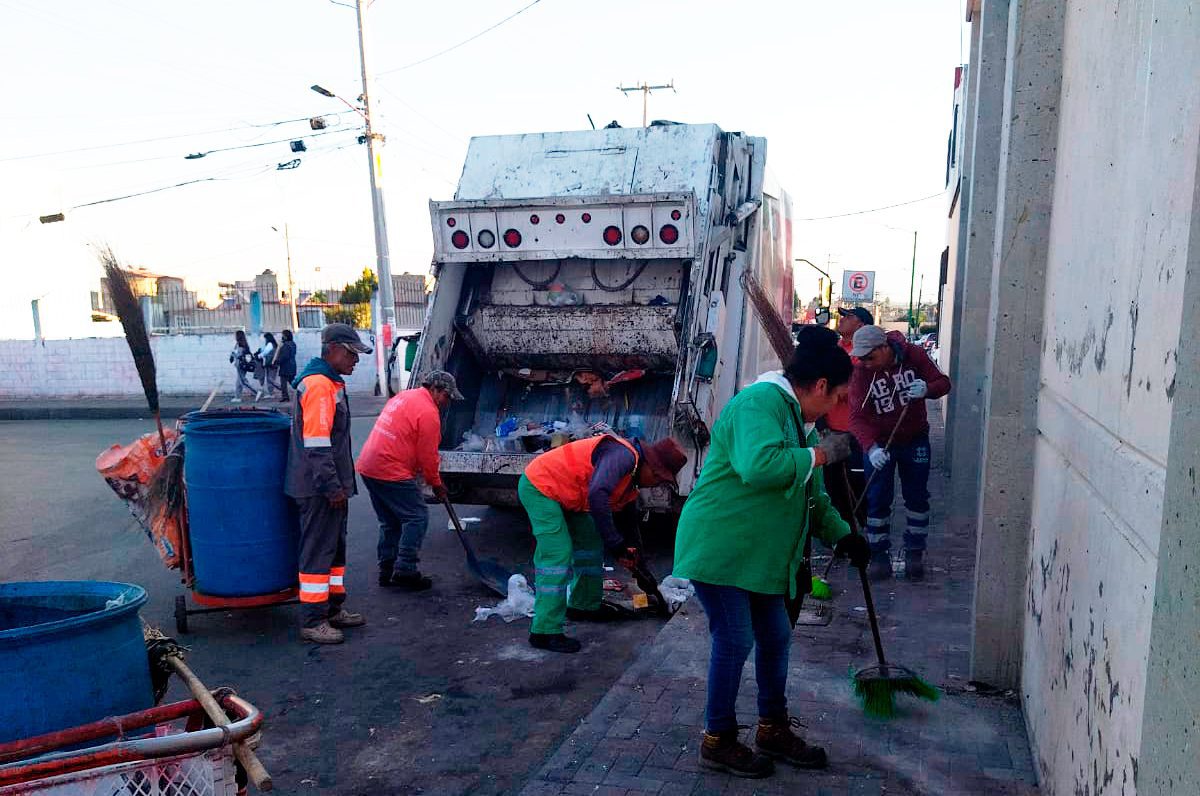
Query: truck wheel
[[181, 624]]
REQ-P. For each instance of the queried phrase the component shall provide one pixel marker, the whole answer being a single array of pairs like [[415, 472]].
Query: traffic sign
[[858, 286]]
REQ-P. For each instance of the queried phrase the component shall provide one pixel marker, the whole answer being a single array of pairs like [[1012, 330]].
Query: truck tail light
[[535, 219], [676, 215], [587, 218], [639, 235], [486, 239], [560, 219], [512, 238], [669, 234], [450, 222], [460, 239], [612, 235]]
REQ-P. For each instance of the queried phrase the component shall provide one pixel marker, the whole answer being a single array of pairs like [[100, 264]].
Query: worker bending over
[[571, 494], [320, 477]]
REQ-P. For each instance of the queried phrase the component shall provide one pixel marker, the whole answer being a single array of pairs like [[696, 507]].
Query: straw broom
[[779, 333]]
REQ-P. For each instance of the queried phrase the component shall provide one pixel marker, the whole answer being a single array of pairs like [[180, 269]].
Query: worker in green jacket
[[741, 541]]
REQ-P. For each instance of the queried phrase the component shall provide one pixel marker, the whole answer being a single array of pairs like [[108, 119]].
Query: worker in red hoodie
[[892, 374]]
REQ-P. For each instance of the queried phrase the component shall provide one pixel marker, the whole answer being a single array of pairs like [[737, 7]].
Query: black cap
[[342, 333], [862, 313]]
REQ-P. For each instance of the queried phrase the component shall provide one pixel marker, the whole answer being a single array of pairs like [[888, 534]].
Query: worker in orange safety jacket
[[320, 478], [571, 494]]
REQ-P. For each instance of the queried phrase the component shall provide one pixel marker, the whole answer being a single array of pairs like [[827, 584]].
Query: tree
[[361, 291]]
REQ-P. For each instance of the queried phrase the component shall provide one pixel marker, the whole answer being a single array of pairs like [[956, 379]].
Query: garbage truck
[[590, 281]]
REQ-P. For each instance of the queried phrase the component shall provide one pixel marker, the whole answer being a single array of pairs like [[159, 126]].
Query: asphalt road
[[420, 701]]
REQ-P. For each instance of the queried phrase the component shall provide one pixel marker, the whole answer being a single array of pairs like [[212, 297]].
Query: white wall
[[188, 364], [1123, 194]]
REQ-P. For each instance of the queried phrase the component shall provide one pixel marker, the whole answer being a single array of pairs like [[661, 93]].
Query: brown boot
[[344, 618], [776, 739], [723, 752], [323, 633]]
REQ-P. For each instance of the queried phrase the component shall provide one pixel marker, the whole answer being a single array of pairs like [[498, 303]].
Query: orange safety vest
[[564, 474]]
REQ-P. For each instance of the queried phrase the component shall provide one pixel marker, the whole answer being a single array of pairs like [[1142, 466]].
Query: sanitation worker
[[890, 376], [401, 453], [320, 478], [571, 494], [742, 541]]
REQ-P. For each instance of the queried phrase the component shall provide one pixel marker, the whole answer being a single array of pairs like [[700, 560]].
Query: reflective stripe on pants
[[563, 539]]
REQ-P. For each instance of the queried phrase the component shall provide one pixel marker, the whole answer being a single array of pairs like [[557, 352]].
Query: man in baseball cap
[[343, 335], [399, 456], [862, 315]]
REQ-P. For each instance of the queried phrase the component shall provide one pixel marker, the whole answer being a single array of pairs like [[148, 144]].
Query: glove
[[918, 389], [440, 493], [878, 457], [835, 447], [854, 548]]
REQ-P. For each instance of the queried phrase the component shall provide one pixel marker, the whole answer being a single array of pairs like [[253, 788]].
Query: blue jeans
[[738, 620], [403, 521], [912, 460]]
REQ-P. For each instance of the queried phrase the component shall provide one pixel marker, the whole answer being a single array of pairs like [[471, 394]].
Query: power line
[[162, 138], [452, 48], [875, 209], [197, 155]]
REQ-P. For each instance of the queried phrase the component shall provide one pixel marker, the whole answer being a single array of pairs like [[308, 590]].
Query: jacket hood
[[314, 366], [777, 378]]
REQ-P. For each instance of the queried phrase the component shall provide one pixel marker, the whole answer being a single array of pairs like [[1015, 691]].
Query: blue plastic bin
[[243, 529], [71, 652]]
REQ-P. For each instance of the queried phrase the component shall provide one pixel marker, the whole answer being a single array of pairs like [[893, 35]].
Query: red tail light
[[587, 218], [460, 239], [512, 238], [676, 215], [450, 222], [560, 219], [612, 236], [668, 234], [639, 235], [533, 219], [486, 238]]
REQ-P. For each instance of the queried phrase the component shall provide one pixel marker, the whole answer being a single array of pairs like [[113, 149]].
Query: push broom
[[877, 686]]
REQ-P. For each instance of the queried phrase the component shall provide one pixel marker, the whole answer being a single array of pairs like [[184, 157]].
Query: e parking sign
[[858, 286]]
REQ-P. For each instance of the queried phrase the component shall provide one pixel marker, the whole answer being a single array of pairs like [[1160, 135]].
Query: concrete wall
[[1119, 239], [187, 364]]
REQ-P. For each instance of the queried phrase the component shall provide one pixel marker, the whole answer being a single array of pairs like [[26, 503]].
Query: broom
[[877, 686], [130, 314], [778, 332]]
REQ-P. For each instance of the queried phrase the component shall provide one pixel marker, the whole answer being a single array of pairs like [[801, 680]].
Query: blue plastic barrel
[[71, 652], [242, 527]]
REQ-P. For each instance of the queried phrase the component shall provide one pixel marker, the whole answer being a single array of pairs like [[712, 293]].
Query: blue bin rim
[[245, 424], [134, 597]]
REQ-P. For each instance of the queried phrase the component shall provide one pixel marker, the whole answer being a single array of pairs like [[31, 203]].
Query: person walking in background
[[892, 374], [838, 420], [402, 448], [320, 478], [285, 360], [243, 363], [263, 362], [742, 541]]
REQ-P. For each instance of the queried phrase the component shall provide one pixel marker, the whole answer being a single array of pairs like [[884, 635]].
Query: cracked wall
[[1119, 235]]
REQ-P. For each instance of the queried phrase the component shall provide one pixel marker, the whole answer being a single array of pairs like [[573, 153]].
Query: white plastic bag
[[518, 603]]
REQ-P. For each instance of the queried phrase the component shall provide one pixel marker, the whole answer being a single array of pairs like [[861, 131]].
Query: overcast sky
[[855, 99]]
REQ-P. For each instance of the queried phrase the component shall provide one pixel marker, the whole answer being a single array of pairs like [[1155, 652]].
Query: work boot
[[723, 752], [880, 567], [554, 642], [914, 564], [410, 581], [344, 618], [323, 633], [775, 738], [385, 571]]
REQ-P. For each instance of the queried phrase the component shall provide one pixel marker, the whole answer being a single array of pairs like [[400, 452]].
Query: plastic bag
[[676, 591], [128, 470], [518, 603]]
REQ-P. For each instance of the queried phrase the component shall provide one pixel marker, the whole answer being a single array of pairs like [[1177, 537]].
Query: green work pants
[[569, 550]]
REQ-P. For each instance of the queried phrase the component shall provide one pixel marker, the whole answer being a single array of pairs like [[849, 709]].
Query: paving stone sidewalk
[[643, 736]]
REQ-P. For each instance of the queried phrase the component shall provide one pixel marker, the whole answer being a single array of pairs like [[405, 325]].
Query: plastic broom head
[[820, 589]]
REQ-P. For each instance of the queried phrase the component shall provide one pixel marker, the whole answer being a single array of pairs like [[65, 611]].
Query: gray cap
[[342, 333], [867, 339], [442, 380]]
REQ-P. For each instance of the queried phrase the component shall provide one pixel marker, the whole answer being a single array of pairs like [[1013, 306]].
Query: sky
[[105, 98]]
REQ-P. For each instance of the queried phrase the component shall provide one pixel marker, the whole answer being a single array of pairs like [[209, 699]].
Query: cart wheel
[[181, 614]]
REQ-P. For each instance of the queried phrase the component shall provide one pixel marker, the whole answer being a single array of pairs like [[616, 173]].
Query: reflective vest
[[564, 474]]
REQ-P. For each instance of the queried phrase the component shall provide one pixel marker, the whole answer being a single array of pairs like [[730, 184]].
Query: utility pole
[[646, 90], [287, 242], [911, 284], [387, 304]]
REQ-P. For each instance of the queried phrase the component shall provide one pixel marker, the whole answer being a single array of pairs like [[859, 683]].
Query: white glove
[[918, 389], [879, 457]]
